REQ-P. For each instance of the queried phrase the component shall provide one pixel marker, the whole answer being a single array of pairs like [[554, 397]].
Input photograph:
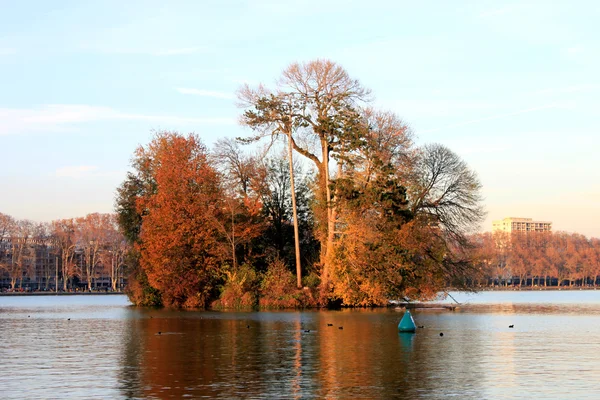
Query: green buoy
[[407, 324]]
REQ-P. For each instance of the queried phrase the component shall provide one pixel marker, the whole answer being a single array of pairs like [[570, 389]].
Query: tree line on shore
[[335, 205], [535, 259], [64, 254]]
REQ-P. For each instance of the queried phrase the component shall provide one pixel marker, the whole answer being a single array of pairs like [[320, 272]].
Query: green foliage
[[278, 289], [130, 220], [278, 238], [139, 290], [311, 281], [240, 290]]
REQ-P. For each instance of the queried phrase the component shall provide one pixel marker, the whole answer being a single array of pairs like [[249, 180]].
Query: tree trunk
[[329, 237], [233, 257], [114, 274], [295, 214], [65, 272], [331, 215]]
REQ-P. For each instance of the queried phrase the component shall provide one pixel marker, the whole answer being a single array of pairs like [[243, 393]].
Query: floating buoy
[[407, 324]]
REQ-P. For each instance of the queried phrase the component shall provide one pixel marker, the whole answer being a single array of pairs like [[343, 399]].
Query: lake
[[98, 347]]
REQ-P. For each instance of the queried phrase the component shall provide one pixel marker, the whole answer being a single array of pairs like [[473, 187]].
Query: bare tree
[[64, 233], [237, 167], [243, 186], [40, 268], [7, 227], [91, 237], [112, 256], [445, 191], [23, 252]]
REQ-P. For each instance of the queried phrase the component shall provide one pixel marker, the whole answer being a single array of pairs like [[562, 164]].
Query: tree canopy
[[376, 218]]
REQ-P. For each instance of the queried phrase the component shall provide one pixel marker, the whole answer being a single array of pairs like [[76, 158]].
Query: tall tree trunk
[[233, 257], [295, 213], [55, 274], [65, 271], [330, 214]]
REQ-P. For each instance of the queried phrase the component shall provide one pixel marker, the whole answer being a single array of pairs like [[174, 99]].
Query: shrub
[[239, 290], [140, 292], [278, 289]]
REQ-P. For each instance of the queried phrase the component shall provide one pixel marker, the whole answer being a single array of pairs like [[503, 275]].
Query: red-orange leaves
[[179, 242]]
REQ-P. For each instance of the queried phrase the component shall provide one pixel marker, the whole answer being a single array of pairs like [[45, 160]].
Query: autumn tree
[[314, 104], [177, 198]]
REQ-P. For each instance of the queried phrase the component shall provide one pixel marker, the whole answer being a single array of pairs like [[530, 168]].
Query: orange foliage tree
[[179, 240]]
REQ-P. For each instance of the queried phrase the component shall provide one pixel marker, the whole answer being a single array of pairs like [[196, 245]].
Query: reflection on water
[[109, 350]]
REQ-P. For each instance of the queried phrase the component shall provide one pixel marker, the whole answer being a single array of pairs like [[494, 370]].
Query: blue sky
[[512, 87]]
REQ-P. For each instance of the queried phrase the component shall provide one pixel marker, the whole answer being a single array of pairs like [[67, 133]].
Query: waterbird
[[248, 326], [441, 333], [511, 326], [329, 324], [420, 327], [68, 319], [159, 332], [341, 327], [307, 330]]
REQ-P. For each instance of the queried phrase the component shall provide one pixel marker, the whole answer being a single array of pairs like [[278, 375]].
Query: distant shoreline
[[59, 293], [530, 289]]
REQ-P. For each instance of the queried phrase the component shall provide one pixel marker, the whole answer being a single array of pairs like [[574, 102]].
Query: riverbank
[[59, 293], [531, 289]]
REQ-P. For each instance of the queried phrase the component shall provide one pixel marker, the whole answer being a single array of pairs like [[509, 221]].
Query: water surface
[[98, 347]]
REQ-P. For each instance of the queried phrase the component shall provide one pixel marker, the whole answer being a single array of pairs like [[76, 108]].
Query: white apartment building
[[512, 224]]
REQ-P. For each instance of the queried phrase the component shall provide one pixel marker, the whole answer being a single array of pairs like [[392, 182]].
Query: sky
[[511, 87]]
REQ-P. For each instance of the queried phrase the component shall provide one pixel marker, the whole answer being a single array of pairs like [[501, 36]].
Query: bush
[[140, 292], [240, 289], [278, 289]]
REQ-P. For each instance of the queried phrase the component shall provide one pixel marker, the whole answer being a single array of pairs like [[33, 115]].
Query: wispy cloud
[[206, 93], [60, 117], [492, 117]]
